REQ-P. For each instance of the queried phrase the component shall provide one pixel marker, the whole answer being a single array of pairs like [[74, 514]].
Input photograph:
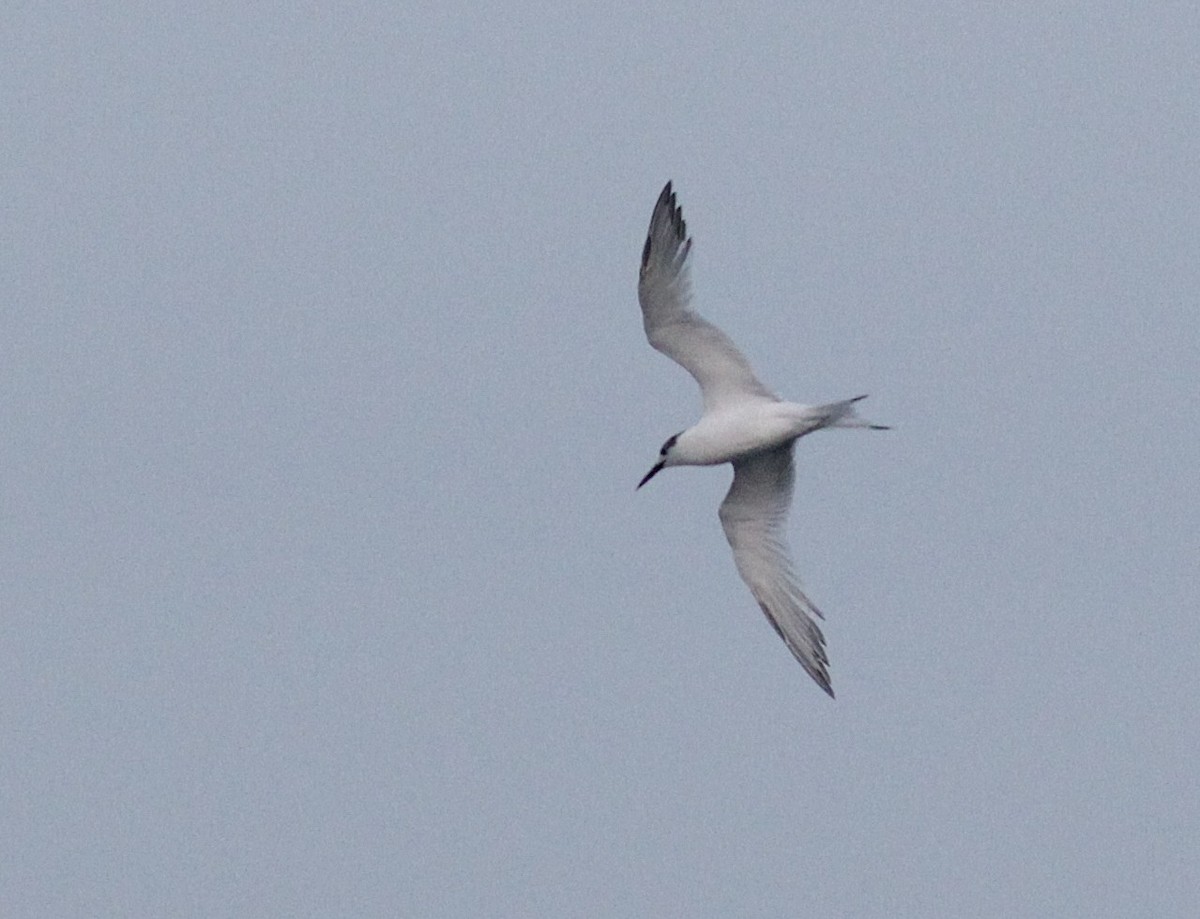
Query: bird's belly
[[723, 439]]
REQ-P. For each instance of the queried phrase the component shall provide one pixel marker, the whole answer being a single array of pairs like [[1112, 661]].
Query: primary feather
[[754, 515], [664, 291]]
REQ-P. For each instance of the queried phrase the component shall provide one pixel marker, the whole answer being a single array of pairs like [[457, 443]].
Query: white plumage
[[743, 423]]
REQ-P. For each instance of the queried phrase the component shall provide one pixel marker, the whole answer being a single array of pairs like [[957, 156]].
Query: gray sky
[[325, 587]]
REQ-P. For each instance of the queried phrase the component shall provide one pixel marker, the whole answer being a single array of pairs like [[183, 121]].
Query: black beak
[[652, 473]]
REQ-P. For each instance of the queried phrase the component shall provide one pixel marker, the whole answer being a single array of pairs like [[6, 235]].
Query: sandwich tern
[[743, 423]]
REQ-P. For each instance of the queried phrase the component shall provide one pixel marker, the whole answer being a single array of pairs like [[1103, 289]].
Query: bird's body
[[743, 423], [738, 431]]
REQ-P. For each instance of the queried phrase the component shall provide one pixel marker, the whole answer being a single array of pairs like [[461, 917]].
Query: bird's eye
[[668, 445]]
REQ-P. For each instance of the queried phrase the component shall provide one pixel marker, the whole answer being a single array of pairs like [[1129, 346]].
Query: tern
[[743, 423]]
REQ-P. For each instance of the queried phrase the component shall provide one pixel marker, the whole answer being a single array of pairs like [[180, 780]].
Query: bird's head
[[665, 458]]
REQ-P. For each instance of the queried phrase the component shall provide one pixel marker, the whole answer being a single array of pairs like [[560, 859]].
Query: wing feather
[[664, 291], [754, 516]]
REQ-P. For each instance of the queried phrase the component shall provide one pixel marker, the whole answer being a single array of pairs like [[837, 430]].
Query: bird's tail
[[843, 415]]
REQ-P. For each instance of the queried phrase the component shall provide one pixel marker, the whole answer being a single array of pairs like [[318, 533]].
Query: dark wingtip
[[821, 678], [666, 201], [677, 220], [666, 198]]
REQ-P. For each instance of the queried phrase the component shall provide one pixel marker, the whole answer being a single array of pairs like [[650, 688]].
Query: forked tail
[[843, 415]]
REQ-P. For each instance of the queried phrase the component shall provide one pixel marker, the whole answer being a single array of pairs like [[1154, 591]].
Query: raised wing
[[664, 290], [754, 514]]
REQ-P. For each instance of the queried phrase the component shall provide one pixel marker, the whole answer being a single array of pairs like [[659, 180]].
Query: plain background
[[325, 588]]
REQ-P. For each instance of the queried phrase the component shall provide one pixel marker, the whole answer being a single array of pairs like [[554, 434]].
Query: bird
[[743, 423]]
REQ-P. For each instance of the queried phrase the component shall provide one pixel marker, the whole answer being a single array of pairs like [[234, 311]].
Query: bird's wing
[[754, 514], [664, 290]]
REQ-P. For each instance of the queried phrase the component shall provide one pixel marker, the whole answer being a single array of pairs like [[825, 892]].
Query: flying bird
[[743, 423]]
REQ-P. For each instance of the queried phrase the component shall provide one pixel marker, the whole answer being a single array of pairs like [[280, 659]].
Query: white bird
[[743, 423]]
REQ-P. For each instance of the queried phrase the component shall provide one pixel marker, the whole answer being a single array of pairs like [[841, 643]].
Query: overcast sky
[[324, 586]]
